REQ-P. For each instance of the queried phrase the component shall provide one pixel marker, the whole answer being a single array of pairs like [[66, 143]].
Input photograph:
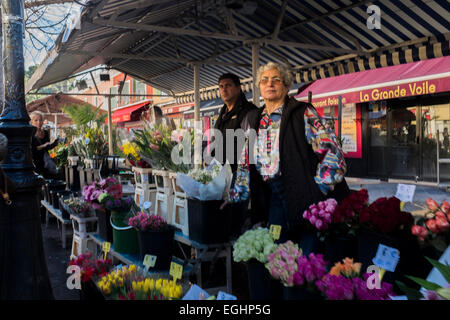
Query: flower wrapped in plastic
[[211, 183], [282, 263]]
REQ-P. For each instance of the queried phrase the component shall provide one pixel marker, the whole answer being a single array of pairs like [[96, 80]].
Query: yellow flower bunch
[[130, 149], [116, 279], [167, 289], [347, 269]]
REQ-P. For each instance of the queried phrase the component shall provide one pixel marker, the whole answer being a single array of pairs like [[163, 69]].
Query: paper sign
[[405, 192], [149, 261], [147, 205], [106, 247], [275, 231], [387, 258], [225, 296], [196, 293], [176, 270]]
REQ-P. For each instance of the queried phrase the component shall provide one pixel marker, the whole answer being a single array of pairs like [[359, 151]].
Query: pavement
[[58, 258], [423, 191]]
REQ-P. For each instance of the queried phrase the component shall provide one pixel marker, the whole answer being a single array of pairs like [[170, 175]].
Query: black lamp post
[[23, 267]]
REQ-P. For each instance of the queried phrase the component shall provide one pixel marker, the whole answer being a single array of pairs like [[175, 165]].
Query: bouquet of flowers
[[384, 215], [434, 226], [254, 244], [310, 269], [320, 215], [94, 190], [79, 207], [282, 263], [129, 149], [343, 282], [210, 183], [148, 222], [154, 145], [91, 269], [129, 283]]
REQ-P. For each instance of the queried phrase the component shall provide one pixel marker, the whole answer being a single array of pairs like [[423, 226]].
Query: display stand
[[145, 187], [164, 195], [207, 253], [64, 222], [180, 206], [82, 228]]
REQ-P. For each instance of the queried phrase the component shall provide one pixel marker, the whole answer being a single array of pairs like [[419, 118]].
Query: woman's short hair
[[286, 74], [37, 113]]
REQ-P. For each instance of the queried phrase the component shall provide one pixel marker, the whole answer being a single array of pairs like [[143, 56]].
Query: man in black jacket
[[231, 115]]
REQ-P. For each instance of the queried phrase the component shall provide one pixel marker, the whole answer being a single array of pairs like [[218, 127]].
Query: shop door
[[435, 124], [393, 142], [404, 142]]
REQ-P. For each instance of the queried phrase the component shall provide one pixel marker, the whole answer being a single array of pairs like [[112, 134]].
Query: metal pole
[[255, 66], [340, 118], [23, 267], [56, 126], [197, 124], [110, 139], [309, 97]]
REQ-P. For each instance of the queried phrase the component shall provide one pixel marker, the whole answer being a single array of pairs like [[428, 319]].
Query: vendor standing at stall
[[298, 159], [235, 108]]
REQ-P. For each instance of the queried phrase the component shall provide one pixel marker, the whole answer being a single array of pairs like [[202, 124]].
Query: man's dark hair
[[231, 76]]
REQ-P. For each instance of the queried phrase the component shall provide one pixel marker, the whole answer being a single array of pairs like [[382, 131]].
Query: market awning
[[125, 114], [411, 79], [160, 41]]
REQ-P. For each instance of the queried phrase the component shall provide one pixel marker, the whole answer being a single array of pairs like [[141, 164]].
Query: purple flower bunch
[[147, 222], [310, 269], [343, 288], [282, 263], [321, 214], [112, 204], [92, 192]]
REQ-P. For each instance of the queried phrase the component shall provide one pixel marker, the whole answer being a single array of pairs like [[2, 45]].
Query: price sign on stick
[[149, 261], [405, 192], [275, 231], [106, 247], [176, 270]]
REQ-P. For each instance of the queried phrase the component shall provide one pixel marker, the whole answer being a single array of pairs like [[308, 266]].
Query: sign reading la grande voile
[[415, 88]]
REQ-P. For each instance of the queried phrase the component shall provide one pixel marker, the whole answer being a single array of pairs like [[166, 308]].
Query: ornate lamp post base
[[23, 266]]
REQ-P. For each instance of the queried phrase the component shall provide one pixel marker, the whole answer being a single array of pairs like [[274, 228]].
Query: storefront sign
[[415, 88]]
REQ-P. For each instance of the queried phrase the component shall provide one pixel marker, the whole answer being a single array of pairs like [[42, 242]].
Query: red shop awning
[[410, 79], [124, 114]]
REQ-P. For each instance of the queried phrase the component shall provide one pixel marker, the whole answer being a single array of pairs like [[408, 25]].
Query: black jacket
[[298, 165], [233, 120], [38, 155]]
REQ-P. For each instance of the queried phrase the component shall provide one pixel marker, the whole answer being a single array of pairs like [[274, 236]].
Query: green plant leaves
[[424, 283], [443, 269], [412, 294]]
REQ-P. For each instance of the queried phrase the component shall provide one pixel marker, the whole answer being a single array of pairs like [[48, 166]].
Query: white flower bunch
[[256, 243], [204, 176]]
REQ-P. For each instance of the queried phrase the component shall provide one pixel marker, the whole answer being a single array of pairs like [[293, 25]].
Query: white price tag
[[405, 192], [386, 258]]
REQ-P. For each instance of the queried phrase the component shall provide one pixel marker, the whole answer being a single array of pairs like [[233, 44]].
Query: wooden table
[[64, 222]]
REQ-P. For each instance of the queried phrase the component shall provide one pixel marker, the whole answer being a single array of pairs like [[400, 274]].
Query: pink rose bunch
[[435, 222], [310, 269], [147, 222], [282, 263], [157, 135], [321, 214]]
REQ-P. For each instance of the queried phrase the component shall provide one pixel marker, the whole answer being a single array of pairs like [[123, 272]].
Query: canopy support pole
[[110, 139], [255, 66]]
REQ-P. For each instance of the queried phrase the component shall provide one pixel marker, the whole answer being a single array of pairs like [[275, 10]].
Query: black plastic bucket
[[207, 223], [159, 244]]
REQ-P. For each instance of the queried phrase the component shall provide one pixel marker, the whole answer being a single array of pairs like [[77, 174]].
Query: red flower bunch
[[351, 206], [385, 215], [91, 268], [436, 221]]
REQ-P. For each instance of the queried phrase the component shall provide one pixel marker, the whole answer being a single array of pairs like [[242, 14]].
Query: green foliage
[[83, 115]]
